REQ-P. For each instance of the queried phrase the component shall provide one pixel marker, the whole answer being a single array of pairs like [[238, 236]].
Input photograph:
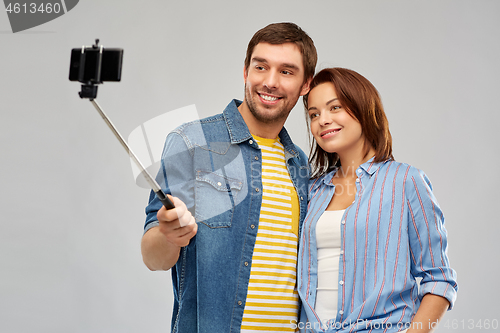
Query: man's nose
[[271, 80]]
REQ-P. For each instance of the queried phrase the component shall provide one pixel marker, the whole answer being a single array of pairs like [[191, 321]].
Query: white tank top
[[328, 243]]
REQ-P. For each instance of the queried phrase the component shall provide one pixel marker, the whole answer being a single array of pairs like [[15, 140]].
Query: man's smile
[[269, 98]]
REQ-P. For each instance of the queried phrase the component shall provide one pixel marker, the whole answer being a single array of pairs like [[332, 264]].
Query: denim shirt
[[214, 166], [392, 234]]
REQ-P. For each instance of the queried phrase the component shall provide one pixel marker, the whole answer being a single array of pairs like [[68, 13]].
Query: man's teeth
[[268, 98]]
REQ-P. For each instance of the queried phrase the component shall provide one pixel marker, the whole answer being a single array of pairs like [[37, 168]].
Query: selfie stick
[[151, 181], [89, 90]]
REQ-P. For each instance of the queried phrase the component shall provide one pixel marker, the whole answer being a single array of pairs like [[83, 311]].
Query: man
[[245, 182]]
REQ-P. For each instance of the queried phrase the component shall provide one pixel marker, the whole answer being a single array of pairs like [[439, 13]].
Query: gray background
[[71, 214]]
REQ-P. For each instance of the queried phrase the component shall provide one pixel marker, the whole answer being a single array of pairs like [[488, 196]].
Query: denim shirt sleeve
[[175, 176], [428, 239]]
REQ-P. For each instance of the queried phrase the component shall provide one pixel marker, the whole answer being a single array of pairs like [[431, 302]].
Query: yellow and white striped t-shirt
[[272, 302]]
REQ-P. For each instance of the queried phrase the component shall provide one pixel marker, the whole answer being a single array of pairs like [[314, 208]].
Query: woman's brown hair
[[362, 101]]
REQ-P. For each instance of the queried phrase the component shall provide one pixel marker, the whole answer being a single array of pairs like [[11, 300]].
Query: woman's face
[[334, 129]]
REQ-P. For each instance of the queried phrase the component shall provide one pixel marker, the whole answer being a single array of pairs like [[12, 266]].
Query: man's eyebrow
[[285, 65], [291, 66], [257, 59]]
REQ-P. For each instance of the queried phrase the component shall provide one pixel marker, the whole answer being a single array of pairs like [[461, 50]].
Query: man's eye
[[286, 72], [259, 68]]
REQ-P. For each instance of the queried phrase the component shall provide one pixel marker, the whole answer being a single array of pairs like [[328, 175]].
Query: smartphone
[[96, 64]]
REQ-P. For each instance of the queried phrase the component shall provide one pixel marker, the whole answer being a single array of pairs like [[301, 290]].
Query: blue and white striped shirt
[[391, 234]]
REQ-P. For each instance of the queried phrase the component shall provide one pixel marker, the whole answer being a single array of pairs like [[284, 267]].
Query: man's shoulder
[[210, 122], [198, 132], [194, 124], [291, 147]]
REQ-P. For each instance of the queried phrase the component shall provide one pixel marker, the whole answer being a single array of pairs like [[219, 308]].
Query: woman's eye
[[314, 115], [336, 107]]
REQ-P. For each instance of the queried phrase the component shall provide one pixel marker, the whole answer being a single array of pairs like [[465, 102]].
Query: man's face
[[274, 80]]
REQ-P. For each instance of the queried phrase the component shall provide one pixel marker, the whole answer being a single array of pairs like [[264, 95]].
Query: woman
[[373, 225]]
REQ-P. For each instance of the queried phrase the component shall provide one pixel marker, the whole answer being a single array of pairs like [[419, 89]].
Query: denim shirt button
[[301, 198], [250, 142], [246, 263], [256, 158], [240, 302], [257, 189], [252, 226]]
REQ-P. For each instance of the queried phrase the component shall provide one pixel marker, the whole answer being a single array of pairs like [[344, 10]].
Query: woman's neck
[[350, 162]]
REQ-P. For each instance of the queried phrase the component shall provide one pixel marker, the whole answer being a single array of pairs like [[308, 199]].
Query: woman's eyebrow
[[332, 100], [327, 103]]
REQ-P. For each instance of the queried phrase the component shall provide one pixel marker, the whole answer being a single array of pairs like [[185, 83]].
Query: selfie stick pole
[[152, 182]]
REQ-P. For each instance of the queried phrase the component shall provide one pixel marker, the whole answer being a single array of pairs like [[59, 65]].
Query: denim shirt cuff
[[150, 225]]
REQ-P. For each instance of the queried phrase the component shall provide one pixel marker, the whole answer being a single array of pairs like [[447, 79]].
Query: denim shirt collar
[[369, 167], [238, 129], [239, 132]]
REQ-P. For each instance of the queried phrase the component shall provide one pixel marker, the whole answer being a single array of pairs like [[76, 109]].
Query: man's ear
[[245, 74], [305, 87]]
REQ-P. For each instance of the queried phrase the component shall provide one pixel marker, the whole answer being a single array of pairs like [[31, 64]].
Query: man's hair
[[362, 101], [281, 33]]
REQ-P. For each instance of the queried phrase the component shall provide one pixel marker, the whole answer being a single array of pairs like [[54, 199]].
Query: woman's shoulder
[[410, 174], [392, 165]]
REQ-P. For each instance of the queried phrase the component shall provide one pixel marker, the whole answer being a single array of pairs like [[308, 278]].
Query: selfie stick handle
[[152, 182]]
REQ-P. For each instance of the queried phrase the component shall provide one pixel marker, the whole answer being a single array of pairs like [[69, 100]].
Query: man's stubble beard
[[268, 117]]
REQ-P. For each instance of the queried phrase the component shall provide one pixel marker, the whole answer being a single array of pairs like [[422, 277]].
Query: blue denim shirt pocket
[[215, 198]]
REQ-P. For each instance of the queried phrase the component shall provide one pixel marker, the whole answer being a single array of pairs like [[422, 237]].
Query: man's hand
[[178, 224], [161, 245]]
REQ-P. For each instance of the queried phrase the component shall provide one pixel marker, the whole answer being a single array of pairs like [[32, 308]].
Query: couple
[[258, 244]]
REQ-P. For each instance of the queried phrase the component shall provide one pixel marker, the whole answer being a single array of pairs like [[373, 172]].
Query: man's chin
[[269, 116]]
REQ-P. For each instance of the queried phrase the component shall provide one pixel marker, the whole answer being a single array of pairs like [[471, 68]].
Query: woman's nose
[[325, 118]]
